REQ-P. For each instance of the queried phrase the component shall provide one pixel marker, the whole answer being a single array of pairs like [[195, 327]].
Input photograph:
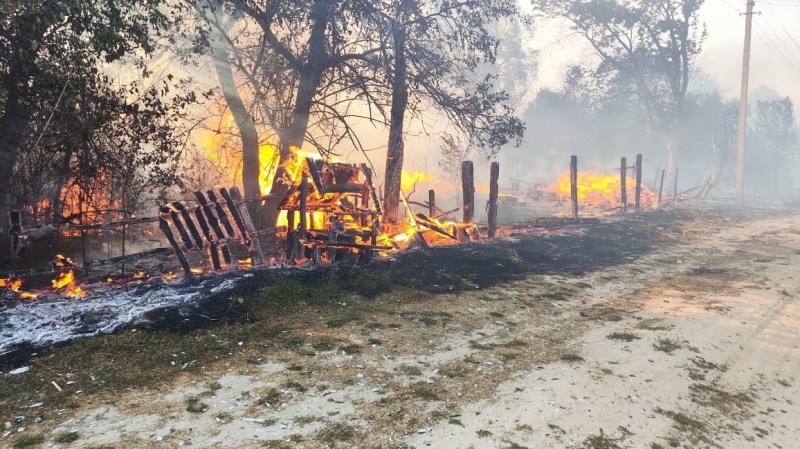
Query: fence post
[[468, 189], [494, 191], [573, 184], [623, 178], [638, 194]]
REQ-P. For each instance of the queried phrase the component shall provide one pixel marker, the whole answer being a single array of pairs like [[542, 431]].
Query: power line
[[777, 51], [780, 22]]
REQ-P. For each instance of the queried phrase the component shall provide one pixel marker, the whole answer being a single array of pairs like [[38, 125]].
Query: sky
[[775, 50]]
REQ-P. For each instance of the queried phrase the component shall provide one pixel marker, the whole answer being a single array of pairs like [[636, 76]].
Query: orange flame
[[68, 280], [408, 180], [26, 296], [170, 276], [598, 191], [12, 284], [246, 263], [139, 274]]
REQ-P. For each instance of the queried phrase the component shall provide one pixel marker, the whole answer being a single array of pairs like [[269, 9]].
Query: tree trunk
[[394, 151], [13, 124], [294, 135], [251, 167]]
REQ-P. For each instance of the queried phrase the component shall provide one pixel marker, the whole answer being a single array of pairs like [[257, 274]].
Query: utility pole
[[743, 104]]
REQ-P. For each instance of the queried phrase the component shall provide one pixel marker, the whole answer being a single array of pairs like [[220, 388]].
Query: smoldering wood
[[237, 220], [468, 190], [212, 220], [373, 192], [212, 247], [623, 177], [165, 228], [303, 206], [198, 240], [254, 248], [573, 184], [344, 188], [431, 203], [638, 191], [187, 241], [90, 264], [223, 217], [661, 186], [422, 220], [494, 191], [316, 178], [15, 231]]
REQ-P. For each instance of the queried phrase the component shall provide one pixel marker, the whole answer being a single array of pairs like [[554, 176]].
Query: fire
[[139, 274], [196, 271], [408, 180], [64, 280], [68, 280], [170, 276], [600, 191], [246, 263], [26, 296], [12, 284], [62, 262]]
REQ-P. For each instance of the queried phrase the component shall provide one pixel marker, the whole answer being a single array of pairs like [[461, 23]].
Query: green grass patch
[[571, 358], [424, 391], [193, 405], [351, 348], [340, 321], [624, 336], [66, 437], [601, 441], [323, 343], [667, 345], [297, 386], [28, 441], [336, 432]]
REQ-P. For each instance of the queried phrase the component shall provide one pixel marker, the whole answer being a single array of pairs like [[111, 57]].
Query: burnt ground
[[415, 348], [557, 248]]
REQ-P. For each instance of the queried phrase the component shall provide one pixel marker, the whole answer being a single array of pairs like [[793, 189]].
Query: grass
[[624, 336], [333, 433], [67, 437], [601, 441], [351, 348], [297, 386], [423, 391], [270, 397], [341, 321], [193, 405], [667, 345], [28, 441], [571, 358], [483, 433]]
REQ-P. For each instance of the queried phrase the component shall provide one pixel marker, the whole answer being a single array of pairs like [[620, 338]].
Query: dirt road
[[693, 345]]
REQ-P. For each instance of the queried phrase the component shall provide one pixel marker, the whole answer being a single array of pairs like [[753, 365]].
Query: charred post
[[431, 203], [661, 186], [164, 226], [573, 184], [223, 217], [494, 191], [638, 195], [255, 247], [212, 248], [187, 241], [15, 231], [212, 220], [623, 188], [303, 206], [675, 187], [468, 189], [198, 240]]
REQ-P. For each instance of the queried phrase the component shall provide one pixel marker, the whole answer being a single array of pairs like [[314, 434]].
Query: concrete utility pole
[[743, 105]]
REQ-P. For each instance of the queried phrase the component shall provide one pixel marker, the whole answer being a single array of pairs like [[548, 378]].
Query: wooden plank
[[623, 179], [187, 241], [494, 191], [198, 240], [212, 221], [235, 214], [255, 247], [165, 228], [638, 191], [468, 191], [223, 217]]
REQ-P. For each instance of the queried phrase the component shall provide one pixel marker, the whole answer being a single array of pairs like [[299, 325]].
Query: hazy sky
[[775, 53]]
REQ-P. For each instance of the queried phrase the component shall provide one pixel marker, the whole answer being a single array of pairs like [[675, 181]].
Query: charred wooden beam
[[315, 176], [303, 206], [359, 246], [468, 190], [431, 203], [15, 231], [573, 184], [623, 178], [350, 187], [187, 241], [198, 240], [675, 187], [254, 247], [638, 191], [223, 217], [494, 191], [422, 220], [164, 226], [661, 186], [212, 246], [373, 192], [237, 219], [212, 220]]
